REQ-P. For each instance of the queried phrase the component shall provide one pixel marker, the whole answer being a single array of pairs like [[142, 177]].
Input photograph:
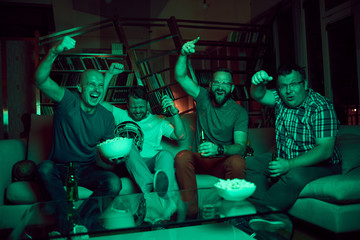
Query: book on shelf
[[240, 93], [130, 79], [47, 110], [84, 62], [89, 62], [249, 36], [160, 79], [203, 77], [101, 63], [120, 95], [77, 63]]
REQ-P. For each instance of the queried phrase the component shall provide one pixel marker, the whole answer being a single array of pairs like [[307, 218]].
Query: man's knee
[[45, 168], [182, 158], [113, 183], [236, 162], [237, 165]]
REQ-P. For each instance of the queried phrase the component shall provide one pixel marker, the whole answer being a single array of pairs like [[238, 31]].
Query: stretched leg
[[164, 160], [139, 170], [229, 168], [185, 175], [51, 178], [257, 172], [284, 193], [103, 183]]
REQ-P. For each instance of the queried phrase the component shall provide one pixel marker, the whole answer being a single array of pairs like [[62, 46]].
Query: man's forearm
[[179, 127], [316, 155], [234, 149], [181, 67], [258, 91], [43, 71]]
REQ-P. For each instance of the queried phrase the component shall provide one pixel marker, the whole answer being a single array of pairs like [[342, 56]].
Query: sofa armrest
[[11, 151]]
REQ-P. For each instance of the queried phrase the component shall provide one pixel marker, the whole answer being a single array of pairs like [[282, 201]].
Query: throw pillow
[[24, 170], [349, 145]]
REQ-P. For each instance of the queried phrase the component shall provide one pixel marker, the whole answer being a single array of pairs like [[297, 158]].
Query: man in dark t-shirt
[[80, 123], [224, 124]]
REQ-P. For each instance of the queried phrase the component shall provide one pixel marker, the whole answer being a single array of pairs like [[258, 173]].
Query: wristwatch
[[220, 149]]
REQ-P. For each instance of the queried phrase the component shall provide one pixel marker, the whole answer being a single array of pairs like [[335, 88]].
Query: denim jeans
[[52, 177], [283, 192]]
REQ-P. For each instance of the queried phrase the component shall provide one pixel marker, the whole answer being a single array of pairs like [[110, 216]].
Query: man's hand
[[168, 103], [278, 167], [116, 68], [261, 77], [208, 149], [189, 47], [63, 45]]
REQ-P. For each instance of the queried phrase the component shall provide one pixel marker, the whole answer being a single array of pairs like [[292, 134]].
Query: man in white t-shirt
[[151, 167]]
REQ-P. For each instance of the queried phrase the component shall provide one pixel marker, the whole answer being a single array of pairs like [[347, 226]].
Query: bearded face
[[221, 87]]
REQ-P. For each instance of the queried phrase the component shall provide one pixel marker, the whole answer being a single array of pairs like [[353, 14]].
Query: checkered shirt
[[297, 128]]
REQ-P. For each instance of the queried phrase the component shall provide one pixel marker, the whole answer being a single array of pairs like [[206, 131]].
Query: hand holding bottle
[[278, 166], [168, 105]]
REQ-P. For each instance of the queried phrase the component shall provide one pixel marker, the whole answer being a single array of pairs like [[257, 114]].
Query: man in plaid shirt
[[306, 127]]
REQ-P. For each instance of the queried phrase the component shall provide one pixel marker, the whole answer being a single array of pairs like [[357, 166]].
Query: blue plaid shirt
[[297, 128]]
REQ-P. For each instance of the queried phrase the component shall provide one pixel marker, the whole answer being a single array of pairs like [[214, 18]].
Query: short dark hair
[[224, 69], [138, 92], [286, 69]]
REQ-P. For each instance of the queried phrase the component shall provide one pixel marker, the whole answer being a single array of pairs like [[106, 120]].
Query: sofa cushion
[[23, 192], [28, 192], [341, 188], [262, 140], [349, 147]]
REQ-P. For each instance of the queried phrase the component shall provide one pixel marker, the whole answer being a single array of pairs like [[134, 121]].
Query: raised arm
[[115, 68], [190, 87], [258, 88], [42, 74]]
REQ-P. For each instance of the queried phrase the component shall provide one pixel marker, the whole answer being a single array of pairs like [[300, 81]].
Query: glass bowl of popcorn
[[234, 189], [115, 148]]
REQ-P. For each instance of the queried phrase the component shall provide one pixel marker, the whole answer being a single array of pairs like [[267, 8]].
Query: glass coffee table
[[145, 215]]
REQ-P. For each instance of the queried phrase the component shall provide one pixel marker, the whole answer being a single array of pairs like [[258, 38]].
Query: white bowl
[[238, 208], [115, 148], [235, 189]]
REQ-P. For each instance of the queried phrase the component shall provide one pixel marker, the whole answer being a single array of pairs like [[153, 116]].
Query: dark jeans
[[188, 163], [283, 192], [102, 182]]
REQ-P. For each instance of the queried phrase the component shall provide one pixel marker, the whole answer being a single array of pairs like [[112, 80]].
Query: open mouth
[[220, 93], [94, 97], [290, 98]]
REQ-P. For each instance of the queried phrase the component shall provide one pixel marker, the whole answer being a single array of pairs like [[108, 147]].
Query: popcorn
[[234, 184], [110, 140]]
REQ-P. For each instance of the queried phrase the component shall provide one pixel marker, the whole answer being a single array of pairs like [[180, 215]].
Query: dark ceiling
[[123, 8]]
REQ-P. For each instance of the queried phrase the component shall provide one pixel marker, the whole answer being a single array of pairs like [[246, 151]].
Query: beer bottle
[[71, 184], [249, 150], [165, 111], [202, 136]]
